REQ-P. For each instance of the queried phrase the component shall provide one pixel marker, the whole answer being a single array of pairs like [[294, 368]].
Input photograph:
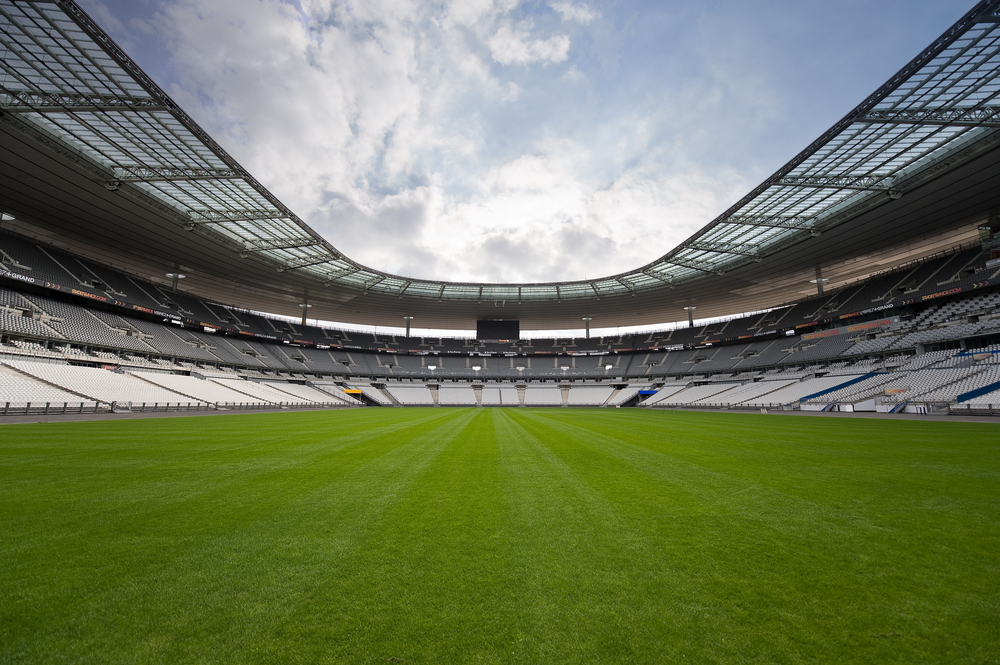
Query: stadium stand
[[262, 391], [306, 394], [542, 395], [747, 392], [921, 332], [902, 352], [335, 391], [589, 395], [456, 395], [100, 385], [798, 391], [198, 389], [501, 395], [19, 393], [410, 394]]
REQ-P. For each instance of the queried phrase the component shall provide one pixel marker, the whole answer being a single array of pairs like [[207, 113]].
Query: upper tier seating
[[750, 372]]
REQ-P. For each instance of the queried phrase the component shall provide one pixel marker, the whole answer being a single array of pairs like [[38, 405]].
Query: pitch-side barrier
[[58, 408]]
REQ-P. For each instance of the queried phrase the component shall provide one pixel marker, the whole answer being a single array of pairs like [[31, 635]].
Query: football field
[[500, 535]]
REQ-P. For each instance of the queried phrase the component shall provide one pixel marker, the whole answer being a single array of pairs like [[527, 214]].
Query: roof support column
[[819, 280], [690, 310], [175, 276], [305, 306], [409, 319], [586, 324]]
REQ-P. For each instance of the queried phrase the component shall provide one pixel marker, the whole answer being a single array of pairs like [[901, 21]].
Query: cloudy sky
[[498, 140]]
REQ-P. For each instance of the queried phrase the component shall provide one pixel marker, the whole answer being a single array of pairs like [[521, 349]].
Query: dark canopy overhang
[[96, 158]]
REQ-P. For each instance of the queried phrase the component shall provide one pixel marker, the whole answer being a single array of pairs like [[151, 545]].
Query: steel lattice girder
[[987, 116], [735, 248], [24, 101], [220, 216], [302, 263], [765, 221], [256, 245], [876, 183], [138, 173]]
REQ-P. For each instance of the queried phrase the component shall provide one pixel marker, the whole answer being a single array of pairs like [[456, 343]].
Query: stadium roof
[[96, 157]]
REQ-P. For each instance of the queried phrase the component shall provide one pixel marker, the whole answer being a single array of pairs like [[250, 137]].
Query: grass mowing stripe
[[164, 484], [422, 587], [489, 535], [896, 573], [592, 589], [194, 555], [863, 464]]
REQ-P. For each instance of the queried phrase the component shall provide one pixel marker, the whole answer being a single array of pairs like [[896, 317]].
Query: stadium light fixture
[[819, 282], [174, 277]]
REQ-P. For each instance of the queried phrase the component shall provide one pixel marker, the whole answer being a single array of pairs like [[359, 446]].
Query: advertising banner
[[858, 327]]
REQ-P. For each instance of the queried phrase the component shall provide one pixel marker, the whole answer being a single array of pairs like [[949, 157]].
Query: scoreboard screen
[[493, 330]]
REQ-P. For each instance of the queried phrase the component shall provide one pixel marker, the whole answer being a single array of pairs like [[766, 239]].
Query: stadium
[[802, 469]]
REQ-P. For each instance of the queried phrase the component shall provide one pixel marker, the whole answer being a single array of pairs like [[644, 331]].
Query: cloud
[[407, 135], [579, 13], [514, 46]]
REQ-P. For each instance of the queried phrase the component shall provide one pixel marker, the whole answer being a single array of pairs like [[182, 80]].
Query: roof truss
[[25, 101]]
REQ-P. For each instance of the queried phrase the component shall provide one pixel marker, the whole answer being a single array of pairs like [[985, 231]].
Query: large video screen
[[492, 330]]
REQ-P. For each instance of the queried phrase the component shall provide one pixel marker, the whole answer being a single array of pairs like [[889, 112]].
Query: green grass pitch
[[500, 535]]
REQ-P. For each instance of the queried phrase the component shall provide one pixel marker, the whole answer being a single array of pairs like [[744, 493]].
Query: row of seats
[[27, 381], [943, 379], [99, 384], [464, 394], [133, 338], [50, 264]]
